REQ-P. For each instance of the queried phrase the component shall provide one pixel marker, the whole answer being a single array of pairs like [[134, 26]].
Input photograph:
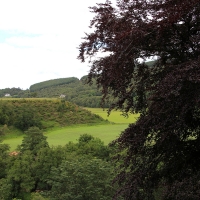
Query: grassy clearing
[[106, 133], [115, 116], [62, 136]]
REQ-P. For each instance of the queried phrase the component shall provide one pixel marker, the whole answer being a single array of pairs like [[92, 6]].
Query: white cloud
[[31, 65], [44, 16], [41, 39]]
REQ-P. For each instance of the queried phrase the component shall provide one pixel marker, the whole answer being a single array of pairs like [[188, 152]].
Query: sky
[[39, 40]]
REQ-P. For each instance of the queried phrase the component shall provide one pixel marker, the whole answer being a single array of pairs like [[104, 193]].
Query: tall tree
[[163, 147], [33, 141]]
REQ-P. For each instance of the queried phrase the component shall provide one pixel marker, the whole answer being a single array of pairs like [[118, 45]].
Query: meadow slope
[[106, 132]]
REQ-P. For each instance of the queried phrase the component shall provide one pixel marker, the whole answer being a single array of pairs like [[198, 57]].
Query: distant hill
[[71, 89], [51, 83]]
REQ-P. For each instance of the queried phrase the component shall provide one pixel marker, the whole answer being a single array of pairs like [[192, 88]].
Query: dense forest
[[50, 83], [35, 171], [73, 90]]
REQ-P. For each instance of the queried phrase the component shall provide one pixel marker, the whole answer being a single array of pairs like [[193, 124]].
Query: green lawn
[[115, 116], [106, 133]]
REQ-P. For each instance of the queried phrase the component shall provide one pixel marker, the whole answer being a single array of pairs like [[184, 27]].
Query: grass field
[[106, 133], [115, 116]]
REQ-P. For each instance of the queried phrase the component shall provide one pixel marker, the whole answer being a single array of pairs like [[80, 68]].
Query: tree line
[[74, 90]]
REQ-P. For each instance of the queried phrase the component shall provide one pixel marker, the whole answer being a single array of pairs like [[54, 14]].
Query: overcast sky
[[39, 40]]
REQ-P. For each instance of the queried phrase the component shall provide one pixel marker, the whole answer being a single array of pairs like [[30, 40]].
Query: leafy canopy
[[162, 148], [33, 141]]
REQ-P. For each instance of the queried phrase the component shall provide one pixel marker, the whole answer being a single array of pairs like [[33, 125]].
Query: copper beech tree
[[160, 153]]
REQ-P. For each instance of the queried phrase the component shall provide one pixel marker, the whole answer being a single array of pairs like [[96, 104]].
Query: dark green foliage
[[84, 139], [33, 94], [4, 157], [21, 174], [160, 153], [6, 113], [5, 186], [28, 172], [33, 141], [75, 91], [25, 113], [50, 83], [14, 92], [81, 178], [29, 169], [26, 117], [5, 189], [71, 172], [88, 145], [62, 106]]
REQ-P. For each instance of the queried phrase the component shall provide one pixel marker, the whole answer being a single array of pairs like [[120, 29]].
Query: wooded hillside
[[54, 82], [43, 113], [73, 89]]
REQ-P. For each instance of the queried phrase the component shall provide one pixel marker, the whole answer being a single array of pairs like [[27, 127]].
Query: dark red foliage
[[163, 148]]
